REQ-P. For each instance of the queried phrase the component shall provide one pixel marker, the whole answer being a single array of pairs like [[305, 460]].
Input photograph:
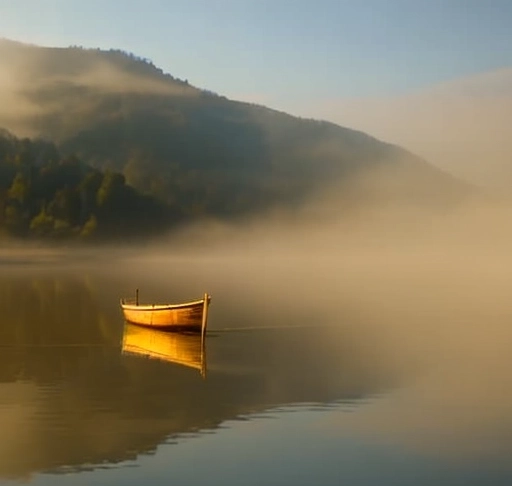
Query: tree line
[[46, 195]]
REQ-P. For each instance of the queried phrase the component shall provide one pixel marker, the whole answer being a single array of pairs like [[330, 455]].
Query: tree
[[45, 196], [42, 224], [19, 189], [66, 206], [14, 220], [90, 228], [110, 189]]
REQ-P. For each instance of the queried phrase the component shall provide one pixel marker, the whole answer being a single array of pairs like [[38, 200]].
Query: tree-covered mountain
[[199, 153]]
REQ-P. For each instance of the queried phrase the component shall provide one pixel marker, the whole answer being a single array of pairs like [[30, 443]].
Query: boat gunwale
[[151, 307]]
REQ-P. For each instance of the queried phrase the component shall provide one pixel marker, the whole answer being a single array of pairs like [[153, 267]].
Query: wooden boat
[[183, 349], [185, 317]]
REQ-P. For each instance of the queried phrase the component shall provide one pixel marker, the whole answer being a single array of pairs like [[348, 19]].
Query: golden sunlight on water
[[74, 394], [415, 344]]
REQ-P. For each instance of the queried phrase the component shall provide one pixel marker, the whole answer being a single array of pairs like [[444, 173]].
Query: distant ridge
[[191, 148]]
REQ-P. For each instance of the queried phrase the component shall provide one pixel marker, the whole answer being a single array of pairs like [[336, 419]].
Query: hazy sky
[[281, 52]]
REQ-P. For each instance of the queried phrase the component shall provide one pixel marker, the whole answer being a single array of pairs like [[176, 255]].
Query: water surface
[[291, 391]]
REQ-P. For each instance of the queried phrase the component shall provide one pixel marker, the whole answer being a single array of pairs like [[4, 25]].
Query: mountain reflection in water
[[71, 399]]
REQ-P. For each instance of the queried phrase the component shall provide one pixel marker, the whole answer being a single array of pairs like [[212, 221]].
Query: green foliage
[[90, 228], [110, 191], [14, 220], [185, 153], [19, 189], [62, 229], [42, 224], [48, 196], [66, 205]]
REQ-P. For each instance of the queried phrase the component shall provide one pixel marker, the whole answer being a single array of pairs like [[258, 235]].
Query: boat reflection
[[182, 349]]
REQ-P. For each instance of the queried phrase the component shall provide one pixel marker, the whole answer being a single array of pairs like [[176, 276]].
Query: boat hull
[[190, 317]]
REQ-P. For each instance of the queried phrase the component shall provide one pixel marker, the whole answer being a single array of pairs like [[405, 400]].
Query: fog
[[424, 294], [421, 289], [15, 109], [461, 126], [420, 293], [38, 81]]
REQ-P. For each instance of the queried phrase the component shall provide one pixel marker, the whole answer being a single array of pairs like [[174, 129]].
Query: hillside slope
[[190, 147]]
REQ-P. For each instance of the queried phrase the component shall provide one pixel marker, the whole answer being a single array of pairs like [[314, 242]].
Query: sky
[[281, 52]]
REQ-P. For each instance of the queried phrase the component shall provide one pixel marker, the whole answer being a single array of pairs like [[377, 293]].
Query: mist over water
[[417, 295], [424, 295], [415, 298]]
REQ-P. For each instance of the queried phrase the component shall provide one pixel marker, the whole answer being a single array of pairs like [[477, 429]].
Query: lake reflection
[[72, 398]]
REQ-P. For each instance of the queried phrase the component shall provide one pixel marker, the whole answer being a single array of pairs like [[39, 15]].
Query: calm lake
[[307, 376]]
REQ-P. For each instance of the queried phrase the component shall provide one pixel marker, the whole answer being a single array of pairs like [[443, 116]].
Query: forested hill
[[198, 152], [46, 196]]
